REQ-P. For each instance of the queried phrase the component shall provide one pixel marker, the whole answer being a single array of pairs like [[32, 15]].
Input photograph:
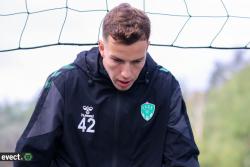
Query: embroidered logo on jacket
[[147, 110], [87, 122]]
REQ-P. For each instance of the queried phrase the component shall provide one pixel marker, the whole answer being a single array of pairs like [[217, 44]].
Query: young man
[[113, 107]]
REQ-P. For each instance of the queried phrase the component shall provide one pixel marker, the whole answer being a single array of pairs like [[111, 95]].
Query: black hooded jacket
[[82, 120]]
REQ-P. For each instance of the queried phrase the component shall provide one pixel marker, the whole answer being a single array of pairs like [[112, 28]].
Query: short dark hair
[[126, 24]]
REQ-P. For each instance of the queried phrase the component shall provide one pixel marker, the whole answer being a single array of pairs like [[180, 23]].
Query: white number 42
[[91, 122]]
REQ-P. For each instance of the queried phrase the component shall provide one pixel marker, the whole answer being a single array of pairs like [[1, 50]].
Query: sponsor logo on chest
[[87, 123]]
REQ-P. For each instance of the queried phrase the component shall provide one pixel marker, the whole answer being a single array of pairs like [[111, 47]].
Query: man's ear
[[148, 44], [101, 47]]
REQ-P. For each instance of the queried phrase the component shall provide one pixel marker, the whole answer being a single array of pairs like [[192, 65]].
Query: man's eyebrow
[[115, 57], [139, 59]]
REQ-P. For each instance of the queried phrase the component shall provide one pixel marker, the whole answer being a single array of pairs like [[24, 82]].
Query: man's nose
[[126, 71]]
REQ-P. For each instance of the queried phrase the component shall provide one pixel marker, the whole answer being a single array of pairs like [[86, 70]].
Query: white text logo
[[87, 122]]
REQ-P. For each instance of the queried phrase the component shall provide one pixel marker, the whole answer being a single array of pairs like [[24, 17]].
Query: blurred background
[[207, 50]]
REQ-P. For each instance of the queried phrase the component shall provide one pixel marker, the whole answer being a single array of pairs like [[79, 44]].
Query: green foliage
[[13, 119], [226, 141]]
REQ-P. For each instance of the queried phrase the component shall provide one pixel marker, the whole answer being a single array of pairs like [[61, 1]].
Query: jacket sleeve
[[43, 130], [180, 148]]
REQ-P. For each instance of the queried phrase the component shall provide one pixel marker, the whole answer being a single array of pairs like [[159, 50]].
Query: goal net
[[28, 24]]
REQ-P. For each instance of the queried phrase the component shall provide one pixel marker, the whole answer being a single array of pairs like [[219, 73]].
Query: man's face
[[123, 63]]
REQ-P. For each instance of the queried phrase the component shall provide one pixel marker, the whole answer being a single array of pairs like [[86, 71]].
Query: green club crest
[[147, 110]]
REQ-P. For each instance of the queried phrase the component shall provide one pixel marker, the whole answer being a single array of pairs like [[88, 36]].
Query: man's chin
[[122, 89]]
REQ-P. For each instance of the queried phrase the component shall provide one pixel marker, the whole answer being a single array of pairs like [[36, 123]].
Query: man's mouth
[[123, 84]]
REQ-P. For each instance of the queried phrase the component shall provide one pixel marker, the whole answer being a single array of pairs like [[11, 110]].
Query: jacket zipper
[[116, 124]]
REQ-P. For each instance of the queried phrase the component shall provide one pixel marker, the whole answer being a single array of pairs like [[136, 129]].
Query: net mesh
[[217, 24]]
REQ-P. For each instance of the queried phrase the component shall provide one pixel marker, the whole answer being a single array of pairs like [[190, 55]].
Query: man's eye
[[117, 60], [137, 61]]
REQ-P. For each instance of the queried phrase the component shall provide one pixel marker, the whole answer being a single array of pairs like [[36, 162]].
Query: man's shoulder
[[163, 70], [60, 75], [166, 76], [164, 73]]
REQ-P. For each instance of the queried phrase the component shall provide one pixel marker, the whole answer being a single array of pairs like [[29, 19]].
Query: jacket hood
[[91, 63]]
